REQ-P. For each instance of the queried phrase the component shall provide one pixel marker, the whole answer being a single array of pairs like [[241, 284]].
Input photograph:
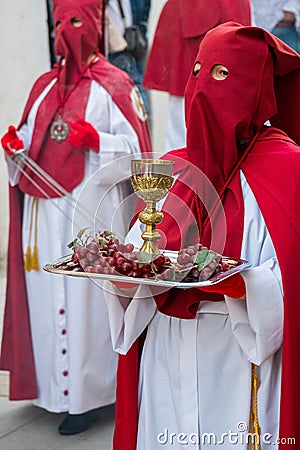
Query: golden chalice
[[151, 180]]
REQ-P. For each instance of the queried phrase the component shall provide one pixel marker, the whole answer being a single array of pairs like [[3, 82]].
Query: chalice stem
[[150, 236], [151, 180], [150, 217]]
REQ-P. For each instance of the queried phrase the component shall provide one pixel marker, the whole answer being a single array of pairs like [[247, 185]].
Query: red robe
[[273, 156], [16, 351]]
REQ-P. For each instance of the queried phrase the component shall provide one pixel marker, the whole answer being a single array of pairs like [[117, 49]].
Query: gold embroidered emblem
[[138, 104]]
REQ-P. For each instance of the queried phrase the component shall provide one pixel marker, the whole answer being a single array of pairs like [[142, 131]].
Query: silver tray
[[65, 266]]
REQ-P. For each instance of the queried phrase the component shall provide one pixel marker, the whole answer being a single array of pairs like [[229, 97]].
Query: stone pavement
[[23, 426]]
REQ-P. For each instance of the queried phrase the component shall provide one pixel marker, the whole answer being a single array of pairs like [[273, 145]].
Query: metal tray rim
[[242, 265]]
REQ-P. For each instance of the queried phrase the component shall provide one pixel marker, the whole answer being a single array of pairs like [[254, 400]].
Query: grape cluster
[[185, 260], [187, 255], [104, 254]]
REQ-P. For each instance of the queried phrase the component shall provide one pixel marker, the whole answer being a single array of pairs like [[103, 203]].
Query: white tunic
[[195, 375], [176, 128], [74, 359]]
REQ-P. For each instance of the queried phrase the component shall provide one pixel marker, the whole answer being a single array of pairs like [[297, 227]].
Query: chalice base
[[150, 246]]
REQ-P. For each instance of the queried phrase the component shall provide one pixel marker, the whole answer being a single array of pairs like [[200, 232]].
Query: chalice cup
[[151, 180]]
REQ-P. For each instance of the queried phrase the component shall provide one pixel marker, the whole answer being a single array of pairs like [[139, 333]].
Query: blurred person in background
[[79, 117], [280, 17], [181, 27]]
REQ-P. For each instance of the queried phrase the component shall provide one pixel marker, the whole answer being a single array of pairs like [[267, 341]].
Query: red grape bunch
[[197, 263], [104, 254]]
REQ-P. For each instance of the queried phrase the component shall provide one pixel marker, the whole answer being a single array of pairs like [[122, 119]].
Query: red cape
[[67, 168], [16, 351], [275, 159], [180, 29]]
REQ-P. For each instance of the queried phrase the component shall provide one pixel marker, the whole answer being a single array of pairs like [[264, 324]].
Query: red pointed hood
[[76, 43]]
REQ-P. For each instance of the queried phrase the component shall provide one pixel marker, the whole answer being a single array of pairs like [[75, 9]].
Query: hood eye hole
[[219, 72]]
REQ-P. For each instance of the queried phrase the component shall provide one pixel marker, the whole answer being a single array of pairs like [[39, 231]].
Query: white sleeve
[[128, 317], [257, 322]]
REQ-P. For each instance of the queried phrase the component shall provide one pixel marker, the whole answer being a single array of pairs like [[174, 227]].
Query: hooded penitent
[[60, 160]]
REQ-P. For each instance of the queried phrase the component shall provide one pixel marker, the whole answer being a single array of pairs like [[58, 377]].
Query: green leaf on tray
[[102, 241]]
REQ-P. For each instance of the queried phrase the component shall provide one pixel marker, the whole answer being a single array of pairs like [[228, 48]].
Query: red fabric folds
[[197, 17], [16, 351], [126, 423], [183, 306], [278, 200], [272, 171], [233, 287]]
